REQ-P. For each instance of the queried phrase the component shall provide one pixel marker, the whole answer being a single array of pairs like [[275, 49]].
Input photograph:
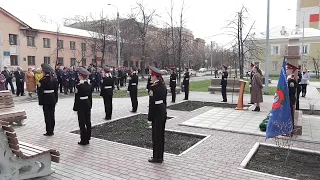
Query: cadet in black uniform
[[298, 88], [292, 85], [173, 84], [224, 82], [133, 89], [83, 105], [48, 97], [107, 87], [186, 78], [157, 113]]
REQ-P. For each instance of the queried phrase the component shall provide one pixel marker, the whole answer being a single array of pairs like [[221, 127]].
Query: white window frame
[[303, 49], [274, 65], [272, 50]]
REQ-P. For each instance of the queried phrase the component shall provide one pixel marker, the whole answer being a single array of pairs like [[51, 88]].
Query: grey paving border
[[254, 150]]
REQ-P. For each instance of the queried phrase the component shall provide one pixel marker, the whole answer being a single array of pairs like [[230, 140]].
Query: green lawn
[[124, 94], [202, 86]]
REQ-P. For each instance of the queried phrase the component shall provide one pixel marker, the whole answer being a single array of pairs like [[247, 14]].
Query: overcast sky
[[206, 18]]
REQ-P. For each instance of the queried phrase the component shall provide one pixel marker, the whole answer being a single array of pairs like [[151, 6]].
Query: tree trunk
[[143, 59]]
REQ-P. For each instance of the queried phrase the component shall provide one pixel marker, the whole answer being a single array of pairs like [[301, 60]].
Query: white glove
[[147, 89], [128, 92]]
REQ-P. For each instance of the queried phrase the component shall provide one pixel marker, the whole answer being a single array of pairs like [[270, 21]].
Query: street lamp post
[[267, 50], [118, 34]]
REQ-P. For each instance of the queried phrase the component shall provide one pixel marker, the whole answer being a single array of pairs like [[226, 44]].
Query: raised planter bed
[[135, 130], [311, 112], [193, 105], [275, 161]]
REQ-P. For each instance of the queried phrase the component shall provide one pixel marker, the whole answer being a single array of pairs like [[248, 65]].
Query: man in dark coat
[[8, 75], [59, 74], [65, 80], [72, 82], [157, 114], [48, 97], [83, 105], [224, 83], [173, 84], [107, 87], [186, 78], [20, 78], [98, 80], [133, 89]]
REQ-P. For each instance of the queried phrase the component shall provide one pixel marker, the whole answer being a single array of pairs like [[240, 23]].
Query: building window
[[72, 45], [14, 60], [83, 47], [84, 62], [275, 50], [31, 60], [46, 60], [13, 39], [304, 65], [72, 61], [46, 43], [274, 65], [60, 60], [60, 44], [305, 49], [30, 41]]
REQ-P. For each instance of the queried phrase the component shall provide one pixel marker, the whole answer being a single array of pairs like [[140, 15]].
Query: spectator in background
[[2, 82], [20, 78], [30, 81], [256, 88], [8, 76], [38, 76], [304, 82]]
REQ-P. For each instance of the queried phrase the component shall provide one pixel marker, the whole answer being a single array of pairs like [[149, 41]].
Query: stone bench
[[232, 86], [8, 112], [178, 88], [19, 160]]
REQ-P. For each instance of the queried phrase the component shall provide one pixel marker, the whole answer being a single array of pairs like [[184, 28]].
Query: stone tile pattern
[[216, 158]]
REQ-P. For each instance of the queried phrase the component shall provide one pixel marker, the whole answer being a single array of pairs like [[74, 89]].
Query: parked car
[[202, 70], [192, 72]]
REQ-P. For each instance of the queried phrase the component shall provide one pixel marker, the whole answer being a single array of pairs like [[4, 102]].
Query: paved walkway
[[218, 157]]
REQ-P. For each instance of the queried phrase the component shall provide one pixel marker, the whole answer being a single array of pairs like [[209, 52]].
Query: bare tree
[[143, 18], [243, 39]]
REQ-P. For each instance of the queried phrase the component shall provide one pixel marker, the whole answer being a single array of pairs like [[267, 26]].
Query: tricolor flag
[[280, 120]]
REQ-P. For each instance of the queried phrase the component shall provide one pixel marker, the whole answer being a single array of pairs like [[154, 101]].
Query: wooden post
[[240, 105]]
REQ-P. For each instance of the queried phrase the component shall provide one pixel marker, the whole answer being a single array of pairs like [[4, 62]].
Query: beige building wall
[[8, 25]]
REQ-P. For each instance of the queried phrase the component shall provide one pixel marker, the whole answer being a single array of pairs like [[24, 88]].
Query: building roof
[[278, 33], [41, 23]]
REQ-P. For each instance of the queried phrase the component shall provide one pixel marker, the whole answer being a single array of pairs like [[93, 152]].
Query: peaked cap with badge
[[47, 68], [83, 71], [156, 72]]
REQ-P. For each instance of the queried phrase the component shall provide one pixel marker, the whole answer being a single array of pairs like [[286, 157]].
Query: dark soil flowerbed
[[135, 131], [193, 105], [299, 165]]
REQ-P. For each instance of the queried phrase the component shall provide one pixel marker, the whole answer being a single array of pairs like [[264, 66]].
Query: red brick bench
[[8, 112], [22, 160]]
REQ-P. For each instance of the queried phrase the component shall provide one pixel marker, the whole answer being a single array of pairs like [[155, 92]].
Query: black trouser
[[107, 99], [117, 83], [224, 92], [20, 87], [125, 81], [65, 89], [121, 81], [298, 95], [304, 89], [186, 92], [71, 89], [173, 92], [11, 86], [60, 85], [134, 100], [84, 119], [158, 127], [48, 111]]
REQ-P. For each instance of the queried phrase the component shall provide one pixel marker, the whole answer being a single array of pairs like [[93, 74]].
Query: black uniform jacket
[[224, 79], [133, 83], [83, 97], [186, 78], [107, 86], [66, 79], [173, 79], [292, 84], [149, 83], [157, 103], [48, 91]]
